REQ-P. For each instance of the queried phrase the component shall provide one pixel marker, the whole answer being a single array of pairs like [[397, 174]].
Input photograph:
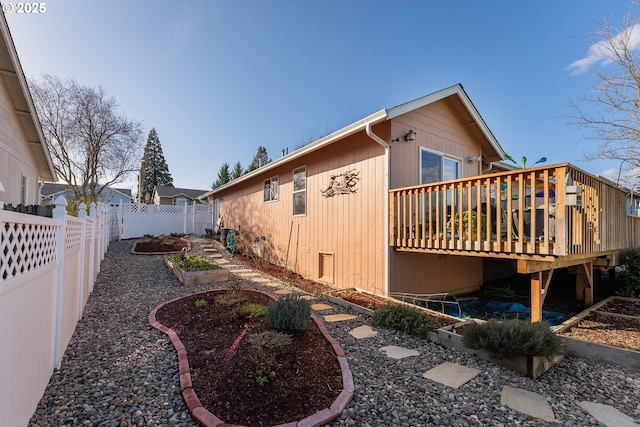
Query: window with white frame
[[271, 189], [300, 191], [180, 201], [435, 167]]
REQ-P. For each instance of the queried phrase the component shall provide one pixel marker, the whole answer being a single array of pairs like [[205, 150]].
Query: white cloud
[[600, 53]]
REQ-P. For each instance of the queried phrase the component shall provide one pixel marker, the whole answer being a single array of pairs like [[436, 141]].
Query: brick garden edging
[[207, 419]]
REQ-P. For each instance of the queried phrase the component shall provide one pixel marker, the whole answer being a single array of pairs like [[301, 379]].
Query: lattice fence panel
[[25, 247], [73, 234]]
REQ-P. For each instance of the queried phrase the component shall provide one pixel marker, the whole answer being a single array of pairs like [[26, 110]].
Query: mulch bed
[[306, 379]]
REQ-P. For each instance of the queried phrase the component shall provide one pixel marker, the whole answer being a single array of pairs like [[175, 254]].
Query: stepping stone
[[283, 292], [233, 267], [339, 317], [210, 249], [451, 374], [364, 331], [607, 415], [396, 352], [528, 403], [242, 270], [222, 261], [216, 255], [273, 284], [308, 297], [260, 279], [320, 307], [247, 275]]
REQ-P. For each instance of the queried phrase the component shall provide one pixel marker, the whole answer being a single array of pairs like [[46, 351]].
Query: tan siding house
[[338, 231], [24, 158]]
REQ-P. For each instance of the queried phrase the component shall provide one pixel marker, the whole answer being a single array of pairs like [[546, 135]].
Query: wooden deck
[[545, 217]]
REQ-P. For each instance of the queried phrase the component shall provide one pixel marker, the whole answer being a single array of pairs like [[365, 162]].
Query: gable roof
[[463, 105], [174, 192], [13, 76]]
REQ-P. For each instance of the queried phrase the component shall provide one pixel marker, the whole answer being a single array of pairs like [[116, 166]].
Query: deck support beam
[[539, 288], [584, 283]]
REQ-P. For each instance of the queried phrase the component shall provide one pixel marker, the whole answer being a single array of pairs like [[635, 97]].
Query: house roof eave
[[13, 76], [458, 90], [316, 145]]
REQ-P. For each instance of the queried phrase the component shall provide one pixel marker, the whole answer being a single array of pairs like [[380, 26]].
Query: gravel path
[[117, 371]]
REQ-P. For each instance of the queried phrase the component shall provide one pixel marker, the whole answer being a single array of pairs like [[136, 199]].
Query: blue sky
[[219, 78]]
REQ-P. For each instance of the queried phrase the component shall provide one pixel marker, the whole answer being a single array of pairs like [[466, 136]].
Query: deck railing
[[553, 210]]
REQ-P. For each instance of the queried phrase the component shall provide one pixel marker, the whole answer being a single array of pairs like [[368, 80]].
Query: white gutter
[[387, 185], [316, 145]]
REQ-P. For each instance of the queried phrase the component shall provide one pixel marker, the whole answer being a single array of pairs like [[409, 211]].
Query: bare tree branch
[[91, 145]]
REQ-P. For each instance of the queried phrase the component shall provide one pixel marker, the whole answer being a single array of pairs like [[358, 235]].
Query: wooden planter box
[[531, 366], [198, 277]]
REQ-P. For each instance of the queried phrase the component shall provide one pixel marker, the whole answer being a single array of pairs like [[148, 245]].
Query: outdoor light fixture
[[410, 136], [475, 159]]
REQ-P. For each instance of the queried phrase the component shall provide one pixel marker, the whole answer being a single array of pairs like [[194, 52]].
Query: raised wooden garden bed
[[198, 277], [608, 332], [531, 366]]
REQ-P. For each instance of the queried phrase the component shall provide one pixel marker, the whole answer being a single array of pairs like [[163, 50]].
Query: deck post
[[584, 283], [536, 297]]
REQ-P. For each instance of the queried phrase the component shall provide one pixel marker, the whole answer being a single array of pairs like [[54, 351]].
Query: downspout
[[387, 185], [489, 167]]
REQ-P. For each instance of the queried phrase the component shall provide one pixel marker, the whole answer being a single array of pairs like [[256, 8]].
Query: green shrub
[[405, 319], [631, 276], [193, 263], [250, 310], [200, 303], [269, 339], [290, 313], [513, 338]]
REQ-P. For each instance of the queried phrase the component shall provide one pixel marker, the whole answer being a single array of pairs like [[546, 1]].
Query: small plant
[[405, 319], [269, 339], [193, 263], [631, 276], [469, 224], [513, 337], [250, 310], [231, 297], [263, 364], [289, 313], [201, 303]]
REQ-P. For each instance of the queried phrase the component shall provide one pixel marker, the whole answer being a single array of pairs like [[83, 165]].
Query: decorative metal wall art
[[343, 183]]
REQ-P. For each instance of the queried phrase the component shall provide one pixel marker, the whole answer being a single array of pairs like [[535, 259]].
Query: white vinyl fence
[[47, 270], [139, 219]]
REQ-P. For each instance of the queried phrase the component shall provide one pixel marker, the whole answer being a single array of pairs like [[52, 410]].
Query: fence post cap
[[82, 210]]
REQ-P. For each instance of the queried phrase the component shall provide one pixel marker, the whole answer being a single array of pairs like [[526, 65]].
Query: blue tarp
[[502, 310]]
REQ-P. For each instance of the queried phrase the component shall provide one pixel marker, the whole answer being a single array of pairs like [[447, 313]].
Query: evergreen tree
[[223, 176], [237, 171], [260, 159], [154, 170]]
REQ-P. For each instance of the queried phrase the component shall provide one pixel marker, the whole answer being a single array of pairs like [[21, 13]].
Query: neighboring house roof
[[381, 116], [50, 190], [13, 76], [173, 192]]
